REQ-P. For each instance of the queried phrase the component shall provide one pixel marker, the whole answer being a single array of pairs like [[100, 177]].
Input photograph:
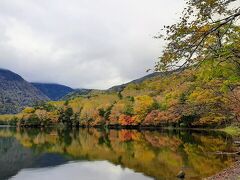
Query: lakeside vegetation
[[232, 130], [191, 98]]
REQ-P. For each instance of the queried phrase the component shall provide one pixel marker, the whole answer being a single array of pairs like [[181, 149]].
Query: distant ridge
[[16, 93], [53, 91], [119, 88], [76, 93]]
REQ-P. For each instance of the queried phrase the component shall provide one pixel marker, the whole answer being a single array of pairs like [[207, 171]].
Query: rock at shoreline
[[181, 175]]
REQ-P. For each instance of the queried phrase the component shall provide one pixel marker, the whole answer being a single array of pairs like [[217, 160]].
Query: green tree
[[207, 29], [66, 116]]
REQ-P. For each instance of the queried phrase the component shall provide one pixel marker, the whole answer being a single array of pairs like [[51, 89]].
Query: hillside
[[202, 97], [77, 93], [16, 93], [115, 89], [119, 88], [53, 91]]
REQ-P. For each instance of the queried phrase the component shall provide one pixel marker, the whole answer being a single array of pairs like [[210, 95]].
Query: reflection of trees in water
[[157, 154], [64, 137]]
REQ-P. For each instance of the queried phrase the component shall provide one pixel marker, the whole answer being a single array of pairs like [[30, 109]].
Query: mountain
[[77, 93], [53, 91], [16, 93], [119, 88], [193, 97]]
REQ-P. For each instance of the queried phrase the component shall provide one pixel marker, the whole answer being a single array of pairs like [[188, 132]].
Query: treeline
[[203, 97]]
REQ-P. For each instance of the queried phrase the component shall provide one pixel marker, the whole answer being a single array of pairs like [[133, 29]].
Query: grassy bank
[[232, 130]]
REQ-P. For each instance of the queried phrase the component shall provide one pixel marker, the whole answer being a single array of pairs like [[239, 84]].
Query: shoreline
[[230, 173], [119, 127]]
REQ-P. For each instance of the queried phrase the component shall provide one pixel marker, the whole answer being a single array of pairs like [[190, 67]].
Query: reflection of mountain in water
[[14, 157], [156, 154]]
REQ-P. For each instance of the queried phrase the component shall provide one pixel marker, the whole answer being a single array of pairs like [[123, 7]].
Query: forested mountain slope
[[194, 97], [140, 80], [16, 93]]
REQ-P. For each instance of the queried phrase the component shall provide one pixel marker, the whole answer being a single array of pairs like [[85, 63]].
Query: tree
[[28, 110], [142, 105], [234, 102], [66, 115], [125, 120], [207, 29], [101, 112]]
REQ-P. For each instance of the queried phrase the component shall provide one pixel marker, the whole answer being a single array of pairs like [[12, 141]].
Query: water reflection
[[160, 155], [81, 170]]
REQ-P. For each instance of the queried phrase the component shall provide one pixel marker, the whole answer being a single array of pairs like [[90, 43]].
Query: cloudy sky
[[83, 43]]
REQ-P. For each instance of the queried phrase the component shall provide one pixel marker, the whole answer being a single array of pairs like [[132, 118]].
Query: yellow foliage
[[28, 110], [142, 105]]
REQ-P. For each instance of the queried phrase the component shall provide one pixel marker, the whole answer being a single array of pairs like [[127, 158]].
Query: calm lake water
[[93, 154]]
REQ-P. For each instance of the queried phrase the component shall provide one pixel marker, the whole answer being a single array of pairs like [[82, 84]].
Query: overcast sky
[[83, 43]]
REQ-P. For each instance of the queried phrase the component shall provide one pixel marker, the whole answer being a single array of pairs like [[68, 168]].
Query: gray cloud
[[83, 43]]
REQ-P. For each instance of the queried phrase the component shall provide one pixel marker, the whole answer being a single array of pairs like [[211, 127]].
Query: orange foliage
[[125, 120], [157, 117]]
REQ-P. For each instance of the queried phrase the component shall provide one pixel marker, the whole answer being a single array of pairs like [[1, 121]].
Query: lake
[[95, 154]]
